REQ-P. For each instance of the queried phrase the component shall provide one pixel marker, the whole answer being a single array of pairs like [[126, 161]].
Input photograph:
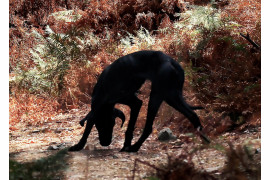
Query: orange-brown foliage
[[248, 15], [31, 109], [227, 72], [225, 76]]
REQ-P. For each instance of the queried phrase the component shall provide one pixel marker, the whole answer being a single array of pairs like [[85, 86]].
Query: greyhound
[[120, 81]]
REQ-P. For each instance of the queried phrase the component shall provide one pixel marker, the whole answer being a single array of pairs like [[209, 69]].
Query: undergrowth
[[57, 53], [242, 162], [59, 48], [43, 169]]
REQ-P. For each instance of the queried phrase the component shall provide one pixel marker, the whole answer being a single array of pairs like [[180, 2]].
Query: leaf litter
[[30, 143]]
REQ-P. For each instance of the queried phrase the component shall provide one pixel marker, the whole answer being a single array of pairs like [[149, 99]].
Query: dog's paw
[[76, 147], [130, 149], [82, 122], [203, 136], [124, 149]]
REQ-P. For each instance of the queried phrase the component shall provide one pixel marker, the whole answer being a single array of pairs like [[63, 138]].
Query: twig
[[258, 47], [145, 163]]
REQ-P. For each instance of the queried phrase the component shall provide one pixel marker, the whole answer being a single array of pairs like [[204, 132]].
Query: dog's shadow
[[100, 153]]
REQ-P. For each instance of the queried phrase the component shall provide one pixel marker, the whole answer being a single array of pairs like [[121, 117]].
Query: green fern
[[204, 17], [143, 39], [52, 57]]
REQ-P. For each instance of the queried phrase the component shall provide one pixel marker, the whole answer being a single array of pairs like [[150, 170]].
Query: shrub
[[83, 41], [215, 55], [241, 163]]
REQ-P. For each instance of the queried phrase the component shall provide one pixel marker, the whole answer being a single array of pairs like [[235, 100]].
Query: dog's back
[[126, 75]]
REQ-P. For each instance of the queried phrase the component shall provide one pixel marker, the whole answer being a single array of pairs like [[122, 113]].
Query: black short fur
[[120, 81]]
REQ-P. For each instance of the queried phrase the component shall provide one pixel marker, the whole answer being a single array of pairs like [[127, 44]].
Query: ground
[[32, 142]]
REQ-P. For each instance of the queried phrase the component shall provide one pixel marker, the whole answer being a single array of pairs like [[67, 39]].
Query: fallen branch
[[258, 47], [145, 163]]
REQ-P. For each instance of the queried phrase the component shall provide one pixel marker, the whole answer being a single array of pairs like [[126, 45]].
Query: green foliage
[[194, 29], [142, 39], [51, 62], [215, 56], [43, 169], [67, 16], [203, 17], [199, 23], [224, 73], [152, 178], [250, 87], [52, 58]]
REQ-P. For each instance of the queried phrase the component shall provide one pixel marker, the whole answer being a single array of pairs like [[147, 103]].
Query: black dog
[[119, 83]]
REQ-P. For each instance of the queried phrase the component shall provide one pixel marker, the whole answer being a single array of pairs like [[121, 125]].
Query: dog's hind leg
[[177, 102]]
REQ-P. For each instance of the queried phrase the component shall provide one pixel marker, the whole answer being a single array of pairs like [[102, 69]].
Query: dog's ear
[[120, 114]]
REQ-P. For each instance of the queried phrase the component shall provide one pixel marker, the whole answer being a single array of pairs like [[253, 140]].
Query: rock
[[56, 147], [213, 169], [258, 151], [36, 131], [53, 147], [166, 135]]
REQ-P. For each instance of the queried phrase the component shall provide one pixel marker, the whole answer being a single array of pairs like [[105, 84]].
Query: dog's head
[[104, 122]]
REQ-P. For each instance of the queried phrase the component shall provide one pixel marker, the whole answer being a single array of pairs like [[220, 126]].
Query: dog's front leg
[[153, 106], [135, 105], [83, 140]]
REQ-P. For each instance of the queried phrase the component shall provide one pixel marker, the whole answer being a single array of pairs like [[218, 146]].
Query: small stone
[[56, 147], [53, 147], [166, 135], [35, 131], [258, 151]]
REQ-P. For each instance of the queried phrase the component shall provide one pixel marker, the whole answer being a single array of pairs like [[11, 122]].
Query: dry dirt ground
[[29, 143]]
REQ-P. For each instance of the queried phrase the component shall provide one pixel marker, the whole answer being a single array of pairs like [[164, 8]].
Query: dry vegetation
[[58, 49]]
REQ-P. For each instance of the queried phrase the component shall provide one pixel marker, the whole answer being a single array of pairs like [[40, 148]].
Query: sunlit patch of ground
[[30, 143]]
